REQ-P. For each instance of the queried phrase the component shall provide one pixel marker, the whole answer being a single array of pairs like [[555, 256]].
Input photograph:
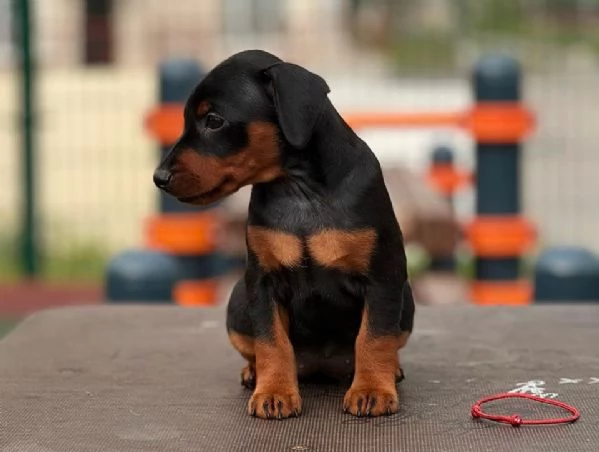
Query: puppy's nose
[[162, 178]]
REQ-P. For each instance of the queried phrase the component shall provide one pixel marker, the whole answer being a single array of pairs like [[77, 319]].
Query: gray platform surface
[[165, 379]]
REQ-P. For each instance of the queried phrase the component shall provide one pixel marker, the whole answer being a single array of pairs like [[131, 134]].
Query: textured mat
[[165, 379]]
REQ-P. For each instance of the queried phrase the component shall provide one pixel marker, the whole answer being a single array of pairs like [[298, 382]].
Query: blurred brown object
[[425, 217], [428, 220], [440, 289]]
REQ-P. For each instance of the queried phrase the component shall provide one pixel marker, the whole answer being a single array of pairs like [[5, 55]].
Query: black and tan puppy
[[326, 288]]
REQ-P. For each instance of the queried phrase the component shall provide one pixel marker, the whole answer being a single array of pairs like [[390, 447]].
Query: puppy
[[325, 289]]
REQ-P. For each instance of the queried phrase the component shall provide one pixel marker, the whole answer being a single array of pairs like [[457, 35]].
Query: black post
[[442, 158], [497, 79], [23, 23]]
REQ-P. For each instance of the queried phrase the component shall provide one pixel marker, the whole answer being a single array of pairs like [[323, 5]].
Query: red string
[[515, 420]]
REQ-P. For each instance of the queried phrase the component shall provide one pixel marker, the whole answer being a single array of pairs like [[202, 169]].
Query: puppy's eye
[[214, 122]]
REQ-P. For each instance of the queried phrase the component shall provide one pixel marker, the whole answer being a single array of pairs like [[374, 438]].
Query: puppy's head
[[239, 122]]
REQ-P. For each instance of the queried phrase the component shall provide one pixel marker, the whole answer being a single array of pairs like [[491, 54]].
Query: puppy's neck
[[334, 156]]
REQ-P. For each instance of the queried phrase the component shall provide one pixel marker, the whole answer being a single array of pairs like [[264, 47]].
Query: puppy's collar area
[[296, 184]]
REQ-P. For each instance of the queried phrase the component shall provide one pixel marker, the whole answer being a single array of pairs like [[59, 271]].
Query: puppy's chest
[[348, 250]]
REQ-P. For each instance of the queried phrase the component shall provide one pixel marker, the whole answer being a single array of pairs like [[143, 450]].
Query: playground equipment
[[141, 275], [566, 273], [183, 236]]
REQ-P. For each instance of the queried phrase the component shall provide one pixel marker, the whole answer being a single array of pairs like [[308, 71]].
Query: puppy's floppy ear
[[299, 97]]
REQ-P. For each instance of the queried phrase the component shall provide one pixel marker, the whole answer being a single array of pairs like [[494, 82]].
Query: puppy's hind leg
[[239, 329]]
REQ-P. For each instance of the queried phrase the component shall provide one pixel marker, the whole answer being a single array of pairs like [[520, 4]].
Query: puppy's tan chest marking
[[344, 250], [274, 249]]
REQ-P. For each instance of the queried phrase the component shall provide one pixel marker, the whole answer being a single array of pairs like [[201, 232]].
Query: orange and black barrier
[[181, 262], [192, 239], [499, 236], [188, 233]]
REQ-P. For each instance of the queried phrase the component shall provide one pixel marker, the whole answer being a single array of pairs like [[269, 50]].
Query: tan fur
[[344, 250], [274, 249], [373, 389], [243, 344], [215, 177], [277, 391]]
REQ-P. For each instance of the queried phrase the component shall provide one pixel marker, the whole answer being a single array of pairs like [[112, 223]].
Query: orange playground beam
[[360, 120]]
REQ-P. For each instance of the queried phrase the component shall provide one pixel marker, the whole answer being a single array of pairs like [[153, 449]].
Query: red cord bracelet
[[517, 421]]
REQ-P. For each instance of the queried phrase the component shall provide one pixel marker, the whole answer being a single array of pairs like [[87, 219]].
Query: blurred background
[[85, 192]]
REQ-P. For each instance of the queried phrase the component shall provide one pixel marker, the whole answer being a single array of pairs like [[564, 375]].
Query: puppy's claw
[[275, 405], [359, 407], [371, 401], [371, 404], [400, 376]]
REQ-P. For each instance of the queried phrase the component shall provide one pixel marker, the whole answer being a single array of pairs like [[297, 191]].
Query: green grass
[[6, 326], [81, 263], [489, 25], [418, 263], [427, 52]]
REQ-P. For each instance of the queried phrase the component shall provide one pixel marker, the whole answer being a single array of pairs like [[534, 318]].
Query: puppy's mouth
[[207, 197]]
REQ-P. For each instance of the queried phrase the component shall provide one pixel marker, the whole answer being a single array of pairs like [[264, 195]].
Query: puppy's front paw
[[275, 404], [371, 401]]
